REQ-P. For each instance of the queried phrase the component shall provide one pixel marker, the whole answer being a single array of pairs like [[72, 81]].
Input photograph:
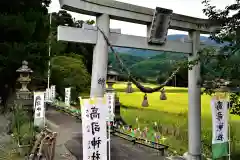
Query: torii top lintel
[[135, 14]]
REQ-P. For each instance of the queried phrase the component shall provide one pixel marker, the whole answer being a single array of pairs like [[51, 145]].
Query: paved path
[[70, 134], [65, 126]]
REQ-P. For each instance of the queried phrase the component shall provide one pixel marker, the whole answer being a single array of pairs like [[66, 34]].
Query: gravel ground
[[6, 146]]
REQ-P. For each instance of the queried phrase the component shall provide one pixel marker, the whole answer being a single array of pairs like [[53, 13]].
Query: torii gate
[[106, 9]]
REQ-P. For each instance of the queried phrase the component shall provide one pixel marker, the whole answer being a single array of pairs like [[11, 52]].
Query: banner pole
[[229, 131], [229, 143], [109, 145], [229, 128]]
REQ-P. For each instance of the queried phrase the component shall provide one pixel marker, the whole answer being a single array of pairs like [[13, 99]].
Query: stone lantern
[[24, 78], [24, 96], [112, 77]]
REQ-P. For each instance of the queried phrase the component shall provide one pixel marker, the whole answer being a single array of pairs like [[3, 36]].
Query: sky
[[186, 7]]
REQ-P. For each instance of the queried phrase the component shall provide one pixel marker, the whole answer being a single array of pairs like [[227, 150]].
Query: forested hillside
[[146, 68], [155, 66]]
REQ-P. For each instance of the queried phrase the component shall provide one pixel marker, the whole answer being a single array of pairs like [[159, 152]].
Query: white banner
[[53, 92], [67, 96], [47, 95], [110, 98], [94, 128], [219, 120], [39, 114]]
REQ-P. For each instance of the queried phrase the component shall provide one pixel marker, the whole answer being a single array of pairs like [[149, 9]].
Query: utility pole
[[175, 80], [49, 49]]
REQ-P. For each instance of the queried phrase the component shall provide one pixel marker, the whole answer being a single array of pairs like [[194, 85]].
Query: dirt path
[[70, 134]]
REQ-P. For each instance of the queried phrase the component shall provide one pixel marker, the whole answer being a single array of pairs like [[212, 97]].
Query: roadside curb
[[175, 158]]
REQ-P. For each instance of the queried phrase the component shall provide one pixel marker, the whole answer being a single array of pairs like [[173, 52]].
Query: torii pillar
[[100, 57], [194, 101]]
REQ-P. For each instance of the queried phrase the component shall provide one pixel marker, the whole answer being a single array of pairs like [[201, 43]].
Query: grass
[[23, 132], [172, 113], [9, 144], [8, 152]]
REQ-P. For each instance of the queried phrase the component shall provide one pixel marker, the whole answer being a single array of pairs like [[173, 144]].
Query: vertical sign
[[49, 94], [39, 110], [47, 98], [220, 128], [94, 129], [67, 96], [110, 98], [53, 92]]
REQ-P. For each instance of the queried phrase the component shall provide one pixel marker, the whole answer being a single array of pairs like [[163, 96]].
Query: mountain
[[137, 52], [203, 39]]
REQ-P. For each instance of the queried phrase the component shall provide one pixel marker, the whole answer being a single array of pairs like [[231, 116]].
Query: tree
[[24, 36], [70, 71], [60, 48], [227, 61]]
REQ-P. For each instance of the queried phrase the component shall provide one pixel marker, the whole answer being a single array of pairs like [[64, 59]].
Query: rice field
[[177, 100], [172, 113]]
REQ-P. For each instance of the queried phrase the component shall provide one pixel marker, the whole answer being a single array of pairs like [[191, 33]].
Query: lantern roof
[[24, 68], [112, 72]]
